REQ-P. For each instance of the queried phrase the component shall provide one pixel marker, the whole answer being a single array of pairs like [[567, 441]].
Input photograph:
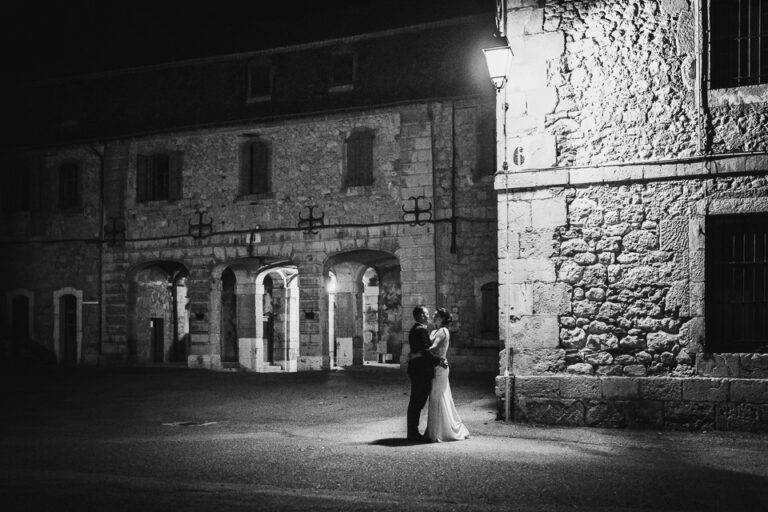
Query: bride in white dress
[[443, 421]]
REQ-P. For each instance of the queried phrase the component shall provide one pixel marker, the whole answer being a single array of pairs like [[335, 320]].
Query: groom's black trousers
[[420, 371]]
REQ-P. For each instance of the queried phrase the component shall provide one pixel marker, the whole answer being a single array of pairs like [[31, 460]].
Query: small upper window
[[260, 76], [486, 142], [17, 190], [359, 159], [343, 69], [739, 42], [69, 185], [158, 177], [255, 168]]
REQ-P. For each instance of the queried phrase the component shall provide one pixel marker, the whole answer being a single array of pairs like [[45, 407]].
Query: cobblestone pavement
[[173, 438]]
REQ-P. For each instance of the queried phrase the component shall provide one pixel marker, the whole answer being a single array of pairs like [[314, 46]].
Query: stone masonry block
[[673, 235], [549, 212], [544, 46], [620, 388], [674, 6], [740, 417], [535, 332], [689, 415], [705, 390], [581, 387], [525, 21], [645, 414], [753, 366], [552, 412], [540, 386], [551, 298], [661, 389], [717, 365], [521, 298], [749, 390], [529, 269], [537, 362], [696, 234]]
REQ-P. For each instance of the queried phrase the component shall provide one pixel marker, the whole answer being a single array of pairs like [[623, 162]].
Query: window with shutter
[[359, 149], [69, 186], [158, 177], [255, 176]]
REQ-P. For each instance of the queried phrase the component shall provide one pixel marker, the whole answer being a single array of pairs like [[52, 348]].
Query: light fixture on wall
[[498, 60]]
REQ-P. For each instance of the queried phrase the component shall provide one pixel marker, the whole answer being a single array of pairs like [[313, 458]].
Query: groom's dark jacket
[[418, 339]]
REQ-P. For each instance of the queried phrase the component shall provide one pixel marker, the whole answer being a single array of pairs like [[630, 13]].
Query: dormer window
[[343, 70], [260, 75]]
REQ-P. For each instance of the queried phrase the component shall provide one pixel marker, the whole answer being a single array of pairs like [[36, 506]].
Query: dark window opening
[[158, 177], [17, 191], [359, 148], [259, 80], [739, 42], [20, 317], [486, 142], [736, 277], [489, 325], [69, 186], [342, 69], [68, 329], [255, 165]]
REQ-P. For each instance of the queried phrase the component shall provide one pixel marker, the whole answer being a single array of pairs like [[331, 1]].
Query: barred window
[[359, 149], [736, 279], [739, 42]]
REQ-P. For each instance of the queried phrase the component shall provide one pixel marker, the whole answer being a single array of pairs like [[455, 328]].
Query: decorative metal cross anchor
[[203, 229], [310, 222], [417, 212], [116, 231]]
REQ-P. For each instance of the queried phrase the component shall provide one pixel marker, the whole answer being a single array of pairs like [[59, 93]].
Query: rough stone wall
[[601, 218], [625, 259], [624, 83]]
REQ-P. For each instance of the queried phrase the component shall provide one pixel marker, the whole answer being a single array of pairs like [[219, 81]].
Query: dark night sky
[[66, 38]]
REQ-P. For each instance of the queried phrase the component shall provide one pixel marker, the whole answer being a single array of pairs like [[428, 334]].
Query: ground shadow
[[394, 442]]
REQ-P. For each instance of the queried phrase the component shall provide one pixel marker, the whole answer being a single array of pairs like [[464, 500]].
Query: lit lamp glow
[[498, 60]]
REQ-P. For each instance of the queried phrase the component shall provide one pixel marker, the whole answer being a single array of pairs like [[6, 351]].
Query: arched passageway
[[158, 313], [256, 302], [364, 308]]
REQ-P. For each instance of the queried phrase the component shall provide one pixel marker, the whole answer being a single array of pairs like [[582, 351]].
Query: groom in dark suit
[[421, 369]]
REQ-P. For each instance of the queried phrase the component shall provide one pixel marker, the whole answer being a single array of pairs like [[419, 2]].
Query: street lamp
[[498, 60]]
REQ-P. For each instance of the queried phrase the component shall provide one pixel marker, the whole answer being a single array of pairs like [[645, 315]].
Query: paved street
[[173, 438]]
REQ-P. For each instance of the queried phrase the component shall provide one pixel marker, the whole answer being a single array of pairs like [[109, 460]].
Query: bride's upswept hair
[[444, 315]]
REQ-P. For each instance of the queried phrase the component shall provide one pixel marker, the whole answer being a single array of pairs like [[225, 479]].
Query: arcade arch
[[256, 314], [158, 313], [364, 308]]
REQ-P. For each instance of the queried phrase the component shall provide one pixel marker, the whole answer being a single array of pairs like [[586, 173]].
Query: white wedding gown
[[443, 421]]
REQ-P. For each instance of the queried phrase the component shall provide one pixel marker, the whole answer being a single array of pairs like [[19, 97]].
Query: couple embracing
[[428, 371]]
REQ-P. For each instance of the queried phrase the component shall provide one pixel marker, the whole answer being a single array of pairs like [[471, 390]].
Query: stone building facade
[[633, 219], [282, 210]]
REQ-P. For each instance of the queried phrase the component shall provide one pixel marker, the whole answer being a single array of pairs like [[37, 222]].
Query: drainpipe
[[100, 292]]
